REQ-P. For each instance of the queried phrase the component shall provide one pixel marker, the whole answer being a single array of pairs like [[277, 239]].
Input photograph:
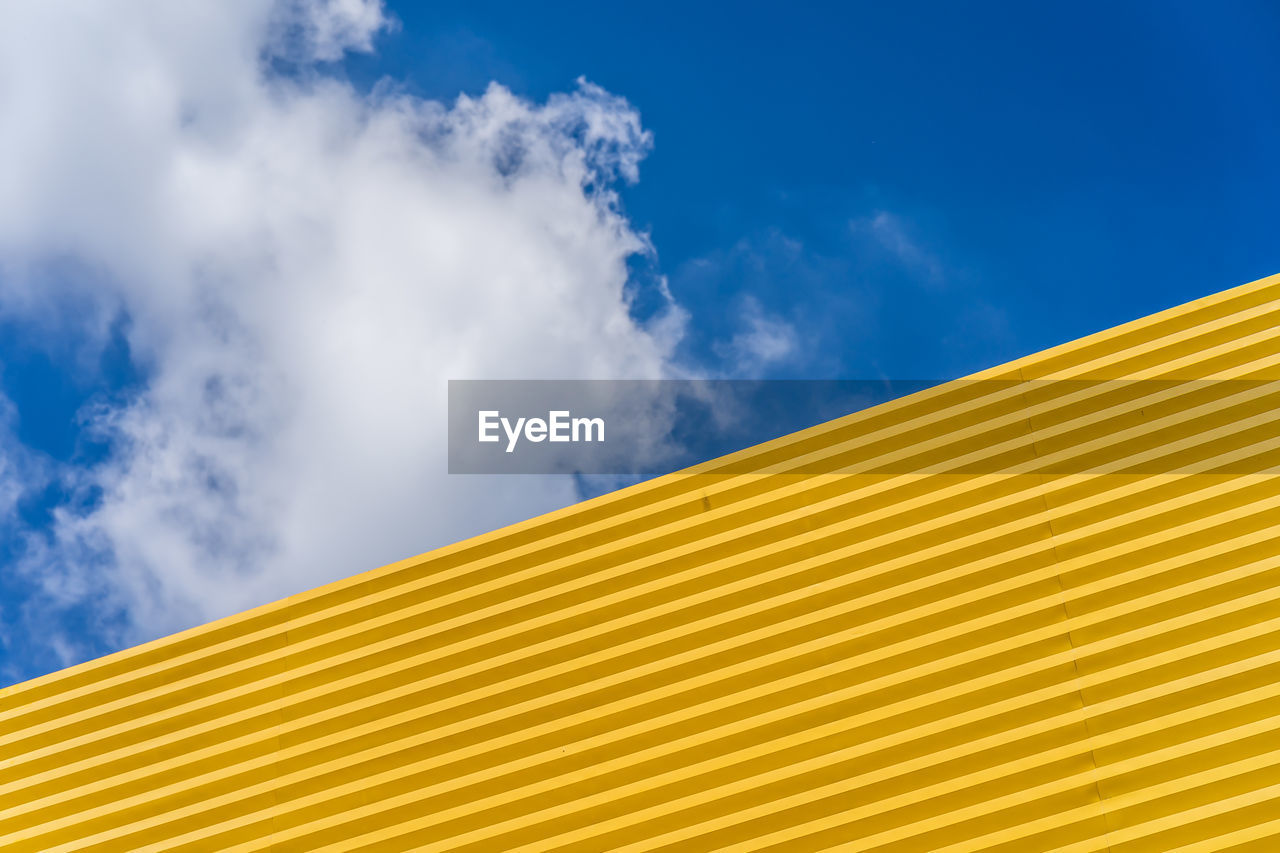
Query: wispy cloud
[[892, 234], [760, 342]]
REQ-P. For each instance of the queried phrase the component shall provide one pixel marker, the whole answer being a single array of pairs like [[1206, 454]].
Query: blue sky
[[1066, 166], [912, 190]]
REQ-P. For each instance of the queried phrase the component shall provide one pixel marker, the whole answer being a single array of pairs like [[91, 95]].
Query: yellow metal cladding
[[995, 659]]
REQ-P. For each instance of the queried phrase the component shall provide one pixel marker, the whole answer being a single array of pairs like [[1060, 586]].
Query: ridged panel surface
[[1019, 612]]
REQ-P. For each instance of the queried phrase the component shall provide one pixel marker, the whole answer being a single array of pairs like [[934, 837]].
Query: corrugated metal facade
[[991, 660]]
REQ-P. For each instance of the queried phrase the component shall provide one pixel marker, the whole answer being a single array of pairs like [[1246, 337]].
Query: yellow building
[[1038, 611]]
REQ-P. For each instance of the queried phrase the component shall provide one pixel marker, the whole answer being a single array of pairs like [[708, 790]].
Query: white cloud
[[303, 266], [892, 234], [762, 340], [325, 29]]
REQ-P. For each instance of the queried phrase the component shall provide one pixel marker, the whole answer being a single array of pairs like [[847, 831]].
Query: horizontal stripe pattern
[[942, 645]]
